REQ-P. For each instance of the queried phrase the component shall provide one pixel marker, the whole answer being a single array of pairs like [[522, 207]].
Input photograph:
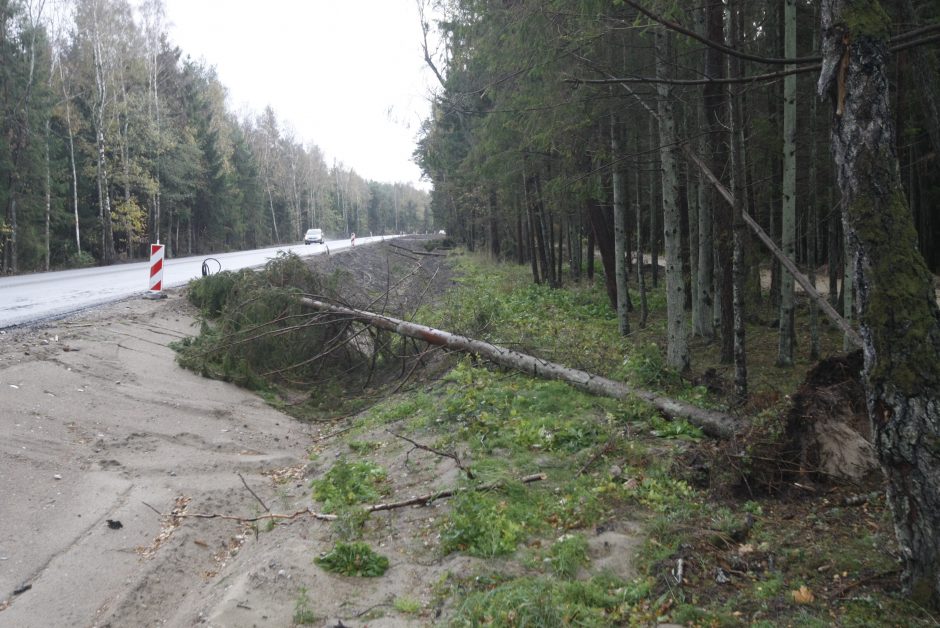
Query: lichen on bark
[[898, 313]]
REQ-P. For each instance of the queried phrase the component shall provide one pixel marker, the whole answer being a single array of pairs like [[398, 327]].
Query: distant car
[[441, 232], [313, 235]]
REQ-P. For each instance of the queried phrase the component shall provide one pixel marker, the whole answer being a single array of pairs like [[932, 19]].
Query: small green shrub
[[363, 447], [480, 525], [568, 554], [303, 614], [353, 559], [349, 483], [407, 605], [80, 259]]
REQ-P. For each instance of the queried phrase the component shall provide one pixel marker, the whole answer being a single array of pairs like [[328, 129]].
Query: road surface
[[41, 296]]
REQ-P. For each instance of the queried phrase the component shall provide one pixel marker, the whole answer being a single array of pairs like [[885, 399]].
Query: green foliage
[[353, 559], [678, 428], [349, 522], [363, 447], [500, 304], [544, 602], [664, 494], [645, 365], [348, 484], [568, 554], [257, 337], [520, 413], [80, 259], [303, 614], [481, 525], [210, 294], [407, 605]]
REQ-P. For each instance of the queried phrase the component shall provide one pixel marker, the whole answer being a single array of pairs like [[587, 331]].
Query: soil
[[106, 436]]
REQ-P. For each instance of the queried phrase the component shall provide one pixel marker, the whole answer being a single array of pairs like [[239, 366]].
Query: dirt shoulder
[[103, 428], [100, 422]]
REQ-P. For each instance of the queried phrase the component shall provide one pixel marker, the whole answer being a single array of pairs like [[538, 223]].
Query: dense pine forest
[[749, 147], [112, 137]]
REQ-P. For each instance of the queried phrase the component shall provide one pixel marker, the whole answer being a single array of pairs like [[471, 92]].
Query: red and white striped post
[[156, 268]]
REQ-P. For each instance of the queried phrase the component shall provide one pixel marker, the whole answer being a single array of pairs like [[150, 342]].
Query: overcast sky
[[346, 75]]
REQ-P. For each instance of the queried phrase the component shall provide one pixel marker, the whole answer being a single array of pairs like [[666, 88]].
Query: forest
[[112, 137], [748, 147]]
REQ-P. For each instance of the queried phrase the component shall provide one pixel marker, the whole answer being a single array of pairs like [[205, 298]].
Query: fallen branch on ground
[[713, 423], [421, 500], [443, 454]]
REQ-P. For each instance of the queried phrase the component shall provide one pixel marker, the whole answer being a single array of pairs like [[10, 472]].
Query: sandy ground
[[102, 429], [98, 422]]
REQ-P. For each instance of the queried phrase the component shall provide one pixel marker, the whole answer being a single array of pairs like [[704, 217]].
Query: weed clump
[[349, 483], [353, 559], [481, 525]]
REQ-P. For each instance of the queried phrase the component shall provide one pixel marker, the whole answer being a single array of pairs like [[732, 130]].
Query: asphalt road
[[26, 299]]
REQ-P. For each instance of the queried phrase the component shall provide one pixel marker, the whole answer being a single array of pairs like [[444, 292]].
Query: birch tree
[[898, 314], [677, 350], [788, 222]]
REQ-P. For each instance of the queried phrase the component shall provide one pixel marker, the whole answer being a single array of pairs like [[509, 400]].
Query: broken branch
[[414, 501]]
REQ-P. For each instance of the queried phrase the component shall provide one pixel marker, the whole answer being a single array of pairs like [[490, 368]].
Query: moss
[[900, 312], [867, 18]]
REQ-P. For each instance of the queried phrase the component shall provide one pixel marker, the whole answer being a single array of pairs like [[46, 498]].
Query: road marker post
[[156, 271]]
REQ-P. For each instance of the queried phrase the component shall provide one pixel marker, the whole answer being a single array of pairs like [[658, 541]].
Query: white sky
[[346, 75]]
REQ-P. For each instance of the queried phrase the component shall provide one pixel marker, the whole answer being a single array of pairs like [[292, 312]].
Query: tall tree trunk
[[898, 313], [104, 194], [788, 220], [640, 281], [47, 186], [530, 222], [738, 168], [703, 318], [654, 227], [620, 236], [716, 118], [68, 123], [603, 235], [813, 224], [677, 347]]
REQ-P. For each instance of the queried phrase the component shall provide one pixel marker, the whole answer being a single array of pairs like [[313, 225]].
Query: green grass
[[353, 559], [303, 615], [349, 483]]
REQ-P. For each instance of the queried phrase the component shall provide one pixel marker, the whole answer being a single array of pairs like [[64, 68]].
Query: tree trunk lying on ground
[[716, 424]]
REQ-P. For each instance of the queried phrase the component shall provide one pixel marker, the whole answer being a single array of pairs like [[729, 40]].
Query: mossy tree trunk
[[898, 313]]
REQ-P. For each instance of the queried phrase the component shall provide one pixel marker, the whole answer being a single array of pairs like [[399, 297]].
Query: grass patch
[[527, 601], [407, 605], [349, 483], [353, 559], [568, 554], [303, 614]]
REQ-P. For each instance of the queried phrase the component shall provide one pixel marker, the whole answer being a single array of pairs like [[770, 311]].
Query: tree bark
[[738, 168], [640, 281], [788, 220], [713, 423], [898, 313], [677, 345], [620, 236]]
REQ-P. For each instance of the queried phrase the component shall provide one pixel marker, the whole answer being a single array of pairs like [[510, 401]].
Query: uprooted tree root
[[822, 437]]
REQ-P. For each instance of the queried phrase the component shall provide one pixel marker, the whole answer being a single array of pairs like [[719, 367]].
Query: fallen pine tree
[[714, 423]]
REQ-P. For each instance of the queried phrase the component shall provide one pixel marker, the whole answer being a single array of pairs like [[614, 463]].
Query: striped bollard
[[156, 269]]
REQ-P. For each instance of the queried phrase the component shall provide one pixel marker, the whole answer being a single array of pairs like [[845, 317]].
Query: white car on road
[[313, 235]]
